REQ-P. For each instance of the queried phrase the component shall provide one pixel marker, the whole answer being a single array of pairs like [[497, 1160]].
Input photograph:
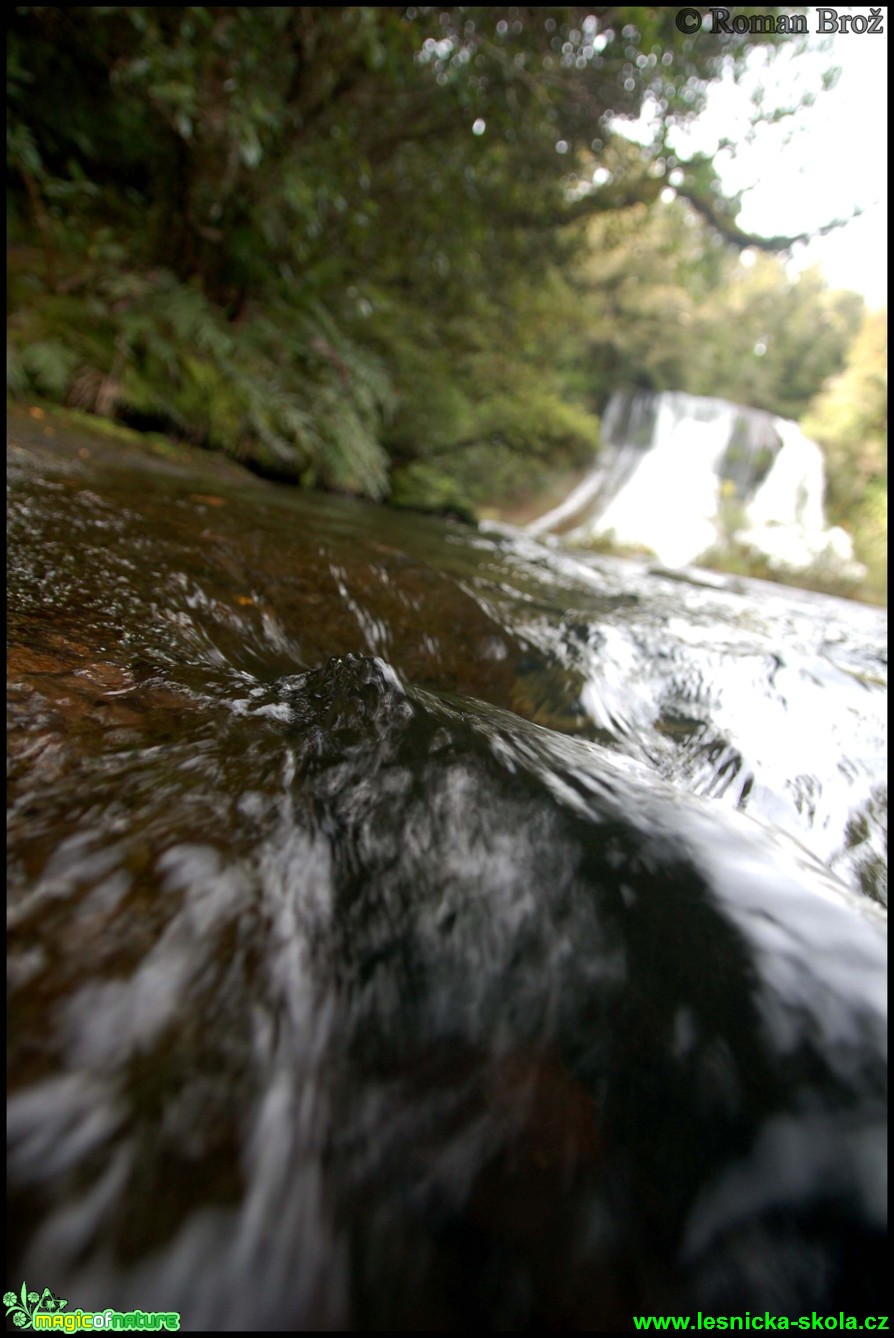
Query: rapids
[[416, 926]]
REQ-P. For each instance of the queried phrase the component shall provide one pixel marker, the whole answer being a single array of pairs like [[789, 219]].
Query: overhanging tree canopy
[[280, 222]]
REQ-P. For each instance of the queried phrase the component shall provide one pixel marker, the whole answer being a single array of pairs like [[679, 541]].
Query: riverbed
[[416, 925]]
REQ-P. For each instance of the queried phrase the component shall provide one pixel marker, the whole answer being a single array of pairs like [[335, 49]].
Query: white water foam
[[676, 472]]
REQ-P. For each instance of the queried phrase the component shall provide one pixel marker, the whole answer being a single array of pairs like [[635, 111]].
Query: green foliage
[[340, 242], [49, 365], [672, 309], [285, 391], [849, 418], [781, 337]]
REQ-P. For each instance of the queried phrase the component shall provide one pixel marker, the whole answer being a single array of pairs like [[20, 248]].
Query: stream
[[416, 926]]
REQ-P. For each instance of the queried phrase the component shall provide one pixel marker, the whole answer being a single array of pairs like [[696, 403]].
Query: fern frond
[[50, 366]]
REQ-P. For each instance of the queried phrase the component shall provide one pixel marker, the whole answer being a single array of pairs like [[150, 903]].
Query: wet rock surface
[[390, 943]]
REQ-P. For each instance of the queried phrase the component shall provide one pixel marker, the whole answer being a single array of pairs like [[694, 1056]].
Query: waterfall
[[785, 520], [679, 474]]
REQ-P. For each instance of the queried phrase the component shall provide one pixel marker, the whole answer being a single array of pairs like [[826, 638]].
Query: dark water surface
[[392, 941]]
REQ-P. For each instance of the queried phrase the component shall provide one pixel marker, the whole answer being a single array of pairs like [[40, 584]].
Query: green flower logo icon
[[23, 1307]]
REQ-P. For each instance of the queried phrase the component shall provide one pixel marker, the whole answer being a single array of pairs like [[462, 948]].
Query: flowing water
[[680, 475], [412, 926]]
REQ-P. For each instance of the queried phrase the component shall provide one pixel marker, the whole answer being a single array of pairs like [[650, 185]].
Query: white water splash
[[786, 521], [680, 474]]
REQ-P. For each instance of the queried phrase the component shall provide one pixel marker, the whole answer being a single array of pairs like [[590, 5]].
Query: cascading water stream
[[411, 927], [680, 476]]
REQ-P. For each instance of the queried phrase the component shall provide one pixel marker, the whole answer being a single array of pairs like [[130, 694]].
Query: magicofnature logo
[[43, 1310]]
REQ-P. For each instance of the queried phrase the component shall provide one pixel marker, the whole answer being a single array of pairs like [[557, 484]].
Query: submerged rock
[[464, 1022]]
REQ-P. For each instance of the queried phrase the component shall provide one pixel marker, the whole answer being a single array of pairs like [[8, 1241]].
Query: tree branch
[[646, 190], [732, 233]]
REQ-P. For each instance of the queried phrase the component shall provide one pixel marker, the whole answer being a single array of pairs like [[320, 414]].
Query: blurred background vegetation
[[364, 248]]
